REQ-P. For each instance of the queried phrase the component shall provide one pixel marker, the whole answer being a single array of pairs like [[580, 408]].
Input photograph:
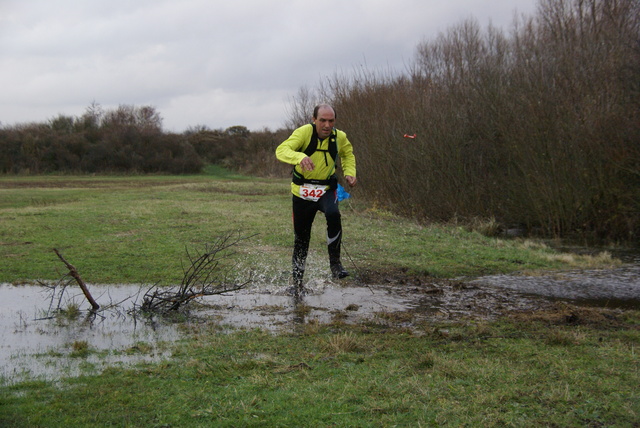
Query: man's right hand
[[307, 164]]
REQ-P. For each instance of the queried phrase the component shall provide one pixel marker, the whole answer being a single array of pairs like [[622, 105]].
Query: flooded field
[[34, 344]]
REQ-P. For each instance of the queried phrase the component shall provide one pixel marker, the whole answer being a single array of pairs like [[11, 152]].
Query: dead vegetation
[[564, 314], [202, 277], [206, 273]]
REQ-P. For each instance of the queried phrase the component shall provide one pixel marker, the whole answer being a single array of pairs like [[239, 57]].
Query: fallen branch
[[74, 273]]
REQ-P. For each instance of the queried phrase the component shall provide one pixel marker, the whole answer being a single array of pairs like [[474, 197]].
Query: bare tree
[[301, 107]]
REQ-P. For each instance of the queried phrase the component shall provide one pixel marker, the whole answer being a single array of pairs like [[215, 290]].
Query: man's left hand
[[351, 180]]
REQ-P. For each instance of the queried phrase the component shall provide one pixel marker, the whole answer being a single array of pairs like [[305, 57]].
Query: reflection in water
[[276, 309], [33, 345], [299, 309]]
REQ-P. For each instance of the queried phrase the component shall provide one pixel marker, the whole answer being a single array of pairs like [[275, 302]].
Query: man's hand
[[351, 180], [307, 164]]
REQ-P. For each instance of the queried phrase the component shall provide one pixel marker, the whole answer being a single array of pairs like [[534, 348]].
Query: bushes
[[538, 129], [128, 139]]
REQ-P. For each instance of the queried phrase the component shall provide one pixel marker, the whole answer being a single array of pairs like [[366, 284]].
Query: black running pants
[[304, 212]]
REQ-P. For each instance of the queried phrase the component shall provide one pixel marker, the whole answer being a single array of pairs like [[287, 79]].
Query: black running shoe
[[296, 291], [338, 271]]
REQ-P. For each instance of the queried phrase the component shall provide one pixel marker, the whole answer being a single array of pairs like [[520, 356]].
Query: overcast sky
[[208, 62]]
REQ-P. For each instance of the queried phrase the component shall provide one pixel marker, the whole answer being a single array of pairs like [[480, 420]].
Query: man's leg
[[304, 213], [329, 206]]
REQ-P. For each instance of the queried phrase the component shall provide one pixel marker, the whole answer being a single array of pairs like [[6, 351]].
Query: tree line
[[127, 139], [537, 128]]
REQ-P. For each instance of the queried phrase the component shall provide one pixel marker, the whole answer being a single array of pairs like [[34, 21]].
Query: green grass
[[127, 229], [130, 229], [566, 367], [500, 374]]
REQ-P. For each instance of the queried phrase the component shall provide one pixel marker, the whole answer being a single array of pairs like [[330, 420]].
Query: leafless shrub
[[56, 295], [301, 106], [203, 276], [63, 302]]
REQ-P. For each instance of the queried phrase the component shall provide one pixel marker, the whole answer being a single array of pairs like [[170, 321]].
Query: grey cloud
[[214, 63]]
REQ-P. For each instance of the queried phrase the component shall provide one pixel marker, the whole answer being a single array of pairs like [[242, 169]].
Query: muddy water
[[614, 288], [33, 345], [274, 309]]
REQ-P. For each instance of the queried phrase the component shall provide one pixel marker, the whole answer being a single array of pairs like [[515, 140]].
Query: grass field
[[137, 229], [568, 366]]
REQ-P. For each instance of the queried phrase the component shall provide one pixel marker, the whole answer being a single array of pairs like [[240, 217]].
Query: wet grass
[[124, 229], [127, 229], [565, 367], [544, 370]]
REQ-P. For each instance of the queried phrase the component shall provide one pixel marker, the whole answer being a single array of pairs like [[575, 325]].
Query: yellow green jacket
[[291, 151]]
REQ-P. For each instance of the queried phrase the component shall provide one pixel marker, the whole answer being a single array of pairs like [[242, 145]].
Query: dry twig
[[202, 277]]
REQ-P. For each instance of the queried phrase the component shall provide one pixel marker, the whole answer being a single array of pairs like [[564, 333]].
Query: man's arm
[[289, 150], [347, 159]]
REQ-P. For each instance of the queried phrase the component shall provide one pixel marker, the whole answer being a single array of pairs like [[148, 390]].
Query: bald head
[[319, 107], [324, 117]]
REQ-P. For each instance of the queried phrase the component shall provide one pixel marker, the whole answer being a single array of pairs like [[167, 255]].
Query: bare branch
[[74, 273], [202, 277]]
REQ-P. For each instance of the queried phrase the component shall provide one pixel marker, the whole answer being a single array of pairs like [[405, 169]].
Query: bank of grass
[[516, 372], [137, 229]]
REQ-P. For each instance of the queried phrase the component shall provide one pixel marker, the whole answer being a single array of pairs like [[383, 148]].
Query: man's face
[[324, 122]]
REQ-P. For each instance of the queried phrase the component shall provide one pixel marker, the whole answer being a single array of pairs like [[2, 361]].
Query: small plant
[[487, 227], [557, 337], [345, 343], [426, 361], [71, 312], [79, 349], [140, 348]]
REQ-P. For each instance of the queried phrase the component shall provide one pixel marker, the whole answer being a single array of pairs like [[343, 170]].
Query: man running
[[314, 149]]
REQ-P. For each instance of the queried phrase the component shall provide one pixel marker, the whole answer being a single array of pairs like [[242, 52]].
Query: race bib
[[312, 192]]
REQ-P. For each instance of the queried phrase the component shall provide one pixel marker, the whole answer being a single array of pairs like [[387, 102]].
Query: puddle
[[275, 309], [613, 288], [33, 346]]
